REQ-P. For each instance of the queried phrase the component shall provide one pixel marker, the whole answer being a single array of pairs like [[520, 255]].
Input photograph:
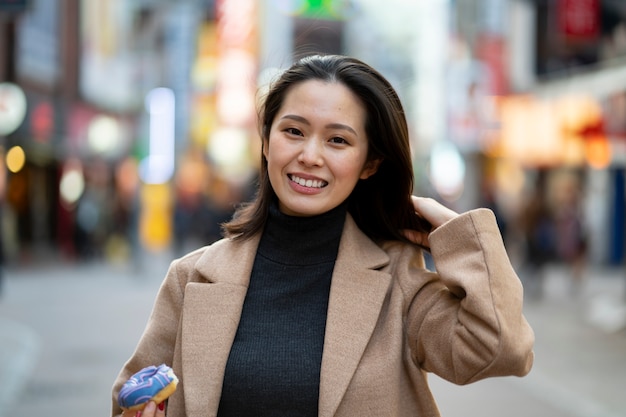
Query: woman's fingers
[[419, 238], [433, 211], [151, 410]]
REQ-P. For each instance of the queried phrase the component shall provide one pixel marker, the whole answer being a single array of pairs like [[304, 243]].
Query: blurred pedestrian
[[571, 236], [93, 212], [537, 224], [126, 209], [317, 301]]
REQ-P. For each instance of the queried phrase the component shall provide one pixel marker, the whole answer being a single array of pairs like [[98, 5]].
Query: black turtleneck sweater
[[274, 363]]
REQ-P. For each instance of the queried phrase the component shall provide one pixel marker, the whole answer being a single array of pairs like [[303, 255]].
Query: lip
[[303, 188]]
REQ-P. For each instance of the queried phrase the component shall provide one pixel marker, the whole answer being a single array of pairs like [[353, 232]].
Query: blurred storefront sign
[[550, 133], [579, 20], [38, 52], [112, 55], [576, 35]]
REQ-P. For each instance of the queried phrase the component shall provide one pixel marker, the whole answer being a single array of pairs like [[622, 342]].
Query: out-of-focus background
[[127, 134]]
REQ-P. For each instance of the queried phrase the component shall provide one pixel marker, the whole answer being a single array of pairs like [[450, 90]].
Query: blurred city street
[[66, 329], [131, 124]]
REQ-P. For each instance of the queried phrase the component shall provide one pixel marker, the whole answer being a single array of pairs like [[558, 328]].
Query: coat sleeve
[[465, 323], [157, 343]]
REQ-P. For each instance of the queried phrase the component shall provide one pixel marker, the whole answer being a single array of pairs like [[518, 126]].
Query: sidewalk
[[19, 347], [580, 348], [65, 331]]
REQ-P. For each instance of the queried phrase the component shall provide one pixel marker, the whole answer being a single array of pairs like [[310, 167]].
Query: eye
[[293, 131], [338, 140]]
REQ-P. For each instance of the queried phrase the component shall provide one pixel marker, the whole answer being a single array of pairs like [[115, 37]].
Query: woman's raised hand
[[432, 211]]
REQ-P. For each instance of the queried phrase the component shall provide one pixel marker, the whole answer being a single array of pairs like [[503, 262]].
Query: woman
[[317, 302]]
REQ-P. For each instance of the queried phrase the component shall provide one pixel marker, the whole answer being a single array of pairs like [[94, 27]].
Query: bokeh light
[[447, 170], [104, 135], [72, 184], [15, 159], [12, 107], [158, 166]]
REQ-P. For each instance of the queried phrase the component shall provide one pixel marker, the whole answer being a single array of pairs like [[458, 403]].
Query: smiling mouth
[[308, 183]]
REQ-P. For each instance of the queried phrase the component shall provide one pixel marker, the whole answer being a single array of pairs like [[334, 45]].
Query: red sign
[[42, 121], [491, 50], [579, 19]]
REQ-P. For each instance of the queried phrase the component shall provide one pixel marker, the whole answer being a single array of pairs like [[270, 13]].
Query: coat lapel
[[211, 315], [357, 294]]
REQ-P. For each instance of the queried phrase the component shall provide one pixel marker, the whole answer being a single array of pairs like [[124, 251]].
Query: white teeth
[[308, 183]]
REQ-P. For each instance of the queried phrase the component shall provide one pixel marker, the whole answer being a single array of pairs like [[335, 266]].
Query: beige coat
[[390, 321]]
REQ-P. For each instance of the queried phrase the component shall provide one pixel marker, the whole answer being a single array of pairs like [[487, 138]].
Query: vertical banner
[[229, 145]]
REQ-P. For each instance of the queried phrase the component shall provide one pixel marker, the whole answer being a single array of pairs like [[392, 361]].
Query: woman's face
[[317, 148]]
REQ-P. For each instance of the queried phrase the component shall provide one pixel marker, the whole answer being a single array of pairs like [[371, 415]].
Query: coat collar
[[357, 293], [212, 310]]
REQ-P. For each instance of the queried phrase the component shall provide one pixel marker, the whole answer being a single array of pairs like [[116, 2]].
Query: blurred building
[[139, 121], [93, 73], [532, 88], [565, 109]]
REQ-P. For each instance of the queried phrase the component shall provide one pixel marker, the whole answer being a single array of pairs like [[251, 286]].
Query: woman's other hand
[[151, 410], [433, 212]]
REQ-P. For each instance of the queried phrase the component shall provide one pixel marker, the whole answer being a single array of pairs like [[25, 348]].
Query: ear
[[370, 168], [265, 147]]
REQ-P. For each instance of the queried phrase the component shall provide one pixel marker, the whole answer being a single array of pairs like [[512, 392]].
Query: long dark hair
[[381, 204]]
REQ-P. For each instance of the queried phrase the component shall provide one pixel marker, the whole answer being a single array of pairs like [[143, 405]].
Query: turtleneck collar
[[293, 240]]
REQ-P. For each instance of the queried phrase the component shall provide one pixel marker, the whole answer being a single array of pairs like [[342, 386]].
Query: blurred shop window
[[571, 34]]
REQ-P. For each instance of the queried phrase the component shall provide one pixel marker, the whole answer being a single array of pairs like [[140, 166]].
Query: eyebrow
[[328, 126]]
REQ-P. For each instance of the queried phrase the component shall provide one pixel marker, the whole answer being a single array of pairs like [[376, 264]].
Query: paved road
[[65, 331]]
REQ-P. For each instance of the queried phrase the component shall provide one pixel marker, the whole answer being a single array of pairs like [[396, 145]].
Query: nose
[[311, 153]]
